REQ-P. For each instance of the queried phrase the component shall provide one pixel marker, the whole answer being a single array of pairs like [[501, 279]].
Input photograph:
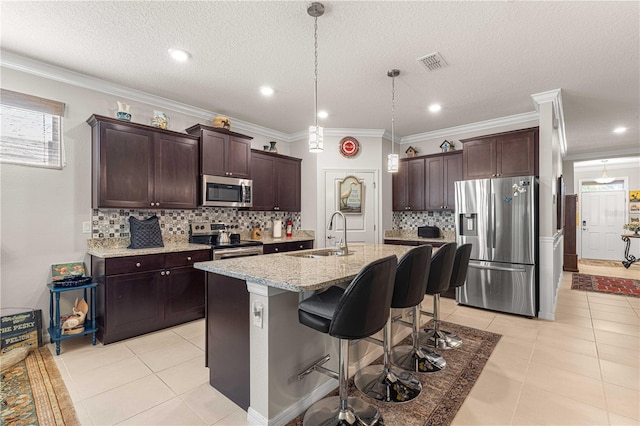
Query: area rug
[[33, 393], [443, 392], [610, 285]]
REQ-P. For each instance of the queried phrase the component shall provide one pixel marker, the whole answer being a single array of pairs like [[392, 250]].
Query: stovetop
[[208, 233]]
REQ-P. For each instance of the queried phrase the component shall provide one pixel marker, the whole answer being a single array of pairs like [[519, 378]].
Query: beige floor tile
[[600, 299], [95, 357], [190, 329], [199, 341], [569, 344], [186, 376], [573, 310], [616, 327], [209, 404], [505, 364], [615, 339], [153, 341], [561, 331], [570, 319], [594, 306], [548, 408], [497, 390], [83, 416], [98, 380], [506, 329], [477, 412], [521, 421], [160, 359], [625, 356], [172, 412], [622, 401], [469, 320], [127, 401], [515, 347], [573, 303], [624, 316], [476, 312], [237, 418], [616, 420], [620, 374], [568, 361], [565, 383], [634, 301]]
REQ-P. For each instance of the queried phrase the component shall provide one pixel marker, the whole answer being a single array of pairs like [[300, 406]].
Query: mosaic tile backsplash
[[445, 220], [115, 223]]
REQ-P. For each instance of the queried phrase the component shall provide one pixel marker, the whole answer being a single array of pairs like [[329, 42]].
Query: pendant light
[[316, 133], [392, 162], [605, 177]]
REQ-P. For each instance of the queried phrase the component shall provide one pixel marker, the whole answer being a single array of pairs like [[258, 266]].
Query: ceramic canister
[[277, 229]]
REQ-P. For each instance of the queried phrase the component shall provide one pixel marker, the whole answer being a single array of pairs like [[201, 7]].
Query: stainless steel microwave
[[218, 191]]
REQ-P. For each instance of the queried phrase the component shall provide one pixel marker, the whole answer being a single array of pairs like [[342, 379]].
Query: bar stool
[[438, 282], [445, 339], [383, 382], [355, 313], [417, 357]]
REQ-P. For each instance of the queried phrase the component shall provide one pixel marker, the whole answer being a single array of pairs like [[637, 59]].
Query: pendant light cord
[[315, 91], [393, 113]]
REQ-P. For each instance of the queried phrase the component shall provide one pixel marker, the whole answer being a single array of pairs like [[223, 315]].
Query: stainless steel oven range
[[224, 246]]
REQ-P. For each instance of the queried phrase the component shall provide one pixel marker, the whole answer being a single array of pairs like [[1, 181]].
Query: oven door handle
[[231, 253], [241, 254]]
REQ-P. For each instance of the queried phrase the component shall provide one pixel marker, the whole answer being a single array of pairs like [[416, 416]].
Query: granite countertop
[[266, 238], [117, 247], [284, 271], [412, 235]]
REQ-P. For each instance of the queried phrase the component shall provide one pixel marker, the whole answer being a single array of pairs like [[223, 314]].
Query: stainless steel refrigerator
[[499, 217]]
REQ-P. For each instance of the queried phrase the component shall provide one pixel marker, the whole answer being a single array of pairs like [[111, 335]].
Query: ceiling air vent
[[433, 61]]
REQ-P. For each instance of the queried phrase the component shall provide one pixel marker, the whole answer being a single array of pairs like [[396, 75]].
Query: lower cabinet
[[288, 246], [140, 294], [412, 243]]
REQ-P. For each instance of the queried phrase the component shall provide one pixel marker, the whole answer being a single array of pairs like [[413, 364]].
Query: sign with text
[[23, 329]]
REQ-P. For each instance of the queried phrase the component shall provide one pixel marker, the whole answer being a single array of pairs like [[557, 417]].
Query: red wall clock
[[349, 146]]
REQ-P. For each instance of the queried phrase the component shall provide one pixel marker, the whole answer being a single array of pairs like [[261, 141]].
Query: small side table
[[629, 259], [55, 330]]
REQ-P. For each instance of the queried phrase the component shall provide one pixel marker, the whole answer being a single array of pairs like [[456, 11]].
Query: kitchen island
[[255, 300]]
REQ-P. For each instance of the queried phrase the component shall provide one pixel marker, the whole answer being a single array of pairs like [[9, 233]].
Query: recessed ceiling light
[[266, 90], [323, 114], [619, 130], [435, 107], [179, 54]]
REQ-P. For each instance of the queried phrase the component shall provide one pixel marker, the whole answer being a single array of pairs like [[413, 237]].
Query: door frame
[[579, 221], [322, 218]]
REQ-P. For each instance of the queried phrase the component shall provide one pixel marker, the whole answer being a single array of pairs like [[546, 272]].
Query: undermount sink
[[316, 254]]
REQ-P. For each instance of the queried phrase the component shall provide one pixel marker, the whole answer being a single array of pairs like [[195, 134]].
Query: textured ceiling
[[499, 53]]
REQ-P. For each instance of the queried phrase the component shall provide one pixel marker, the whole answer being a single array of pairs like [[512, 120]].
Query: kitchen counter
[[117, 247], [266, 238]]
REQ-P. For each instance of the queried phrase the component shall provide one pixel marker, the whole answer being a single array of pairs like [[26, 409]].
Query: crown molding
[[63, 75], [473, 127], [600, 155], [555, 97]]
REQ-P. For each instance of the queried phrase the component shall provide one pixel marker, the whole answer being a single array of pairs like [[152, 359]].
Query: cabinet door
[[479, 159], [263, 176], [184, 292], [434, 183], [213, 153], [238, 158], [415, 184], [287, 185], [400, 186], [516, 154], [452, 167], [176, 172], [133, 305], [123, 175]]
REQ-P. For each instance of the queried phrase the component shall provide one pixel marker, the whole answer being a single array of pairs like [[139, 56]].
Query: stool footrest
[[317, 366], [429, 314], [374, 340]]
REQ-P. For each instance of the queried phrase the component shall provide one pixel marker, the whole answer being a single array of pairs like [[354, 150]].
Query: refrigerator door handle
[[493, 220], [495, 268]]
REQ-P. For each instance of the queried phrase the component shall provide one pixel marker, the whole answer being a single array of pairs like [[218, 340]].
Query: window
[[31, 132]]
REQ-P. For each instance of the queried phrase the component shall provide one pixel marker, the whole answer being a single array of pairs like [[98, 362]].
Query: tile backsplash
[[445, 220], [115, 223]]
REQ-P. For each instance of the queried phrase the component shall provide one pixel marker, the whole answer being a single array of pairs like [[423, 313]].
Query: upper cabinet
[[138, 166], [223, 152], [501, 155], [408, 185], [276, 182]]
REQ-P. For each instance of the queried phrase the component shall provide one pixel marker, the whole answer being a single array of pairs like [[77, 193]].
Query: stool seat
[[317, 311]]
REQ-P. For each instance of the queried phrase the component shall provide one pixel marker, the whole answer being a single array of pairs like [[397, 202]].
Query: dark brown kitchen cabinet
[[223, 152], [501, 155], [442, 171], [276, 182], [138, 166], [141, 294], [408, 185], [287, 246]]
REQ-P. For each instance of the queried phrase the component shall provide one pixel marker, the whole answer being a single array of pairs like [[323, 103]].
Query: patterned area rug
[[33, 393], [610, 285], [442, 393]]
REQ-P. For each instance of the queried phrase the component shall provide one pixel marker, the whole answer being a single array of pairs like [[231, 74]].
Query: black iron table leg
[[629, 259]]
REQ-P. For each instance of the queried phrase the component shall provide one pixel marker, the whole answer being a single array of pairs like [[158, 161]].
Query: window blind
[[31, 130]]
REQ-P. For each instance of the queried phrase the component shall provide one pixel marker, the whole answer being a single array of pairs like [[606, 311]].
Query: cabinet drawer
[[186, 258], [299, 245], [130, 264]]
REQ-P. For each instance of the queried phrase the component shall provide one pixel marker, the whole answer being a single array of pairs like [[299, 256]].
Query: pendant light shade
[[393, 160], [605, 177], [316, 133]]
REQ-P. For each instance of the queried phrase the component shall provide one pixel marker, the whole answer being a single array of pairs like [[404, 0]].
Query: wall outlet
[[258, 311], [86, 227]]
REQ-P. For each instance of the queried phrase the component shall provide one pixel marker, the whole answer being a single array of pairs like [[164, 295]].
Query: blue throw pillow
[[145, 233]]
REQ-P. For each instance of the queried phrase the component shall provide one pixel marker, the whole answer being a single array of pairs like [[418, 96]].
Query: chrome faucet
[[344, 221]]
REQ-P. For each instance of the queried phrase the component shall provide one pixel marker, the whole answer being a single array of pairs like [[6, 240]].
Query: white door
[[601, 220], [361, 227]]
